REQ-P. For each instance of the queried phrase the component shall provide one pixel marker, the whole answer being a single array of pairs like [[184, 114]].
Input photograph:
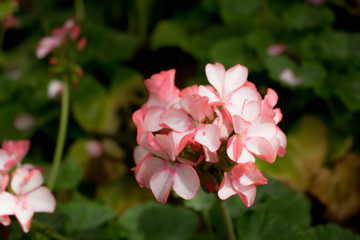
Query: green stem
[[206, 217], [227, 220], [64, 116], [79, 10]]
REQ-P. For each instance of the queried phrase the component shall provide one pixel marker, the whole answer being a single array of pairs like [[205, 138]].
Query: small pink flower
[[276, 49], [55, 88], [30, 197], [12, 152], [287, 76], [81, 43], [94, 149], [242, 180], [23, 121], [166, 169], [46, 45], [75, 32]]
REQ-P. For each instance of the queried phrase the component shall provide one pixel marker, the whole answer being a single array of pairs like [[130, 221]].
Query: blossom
[[55, 88], [29, 197], [11, 153], [276, 49], [166, 169], [206, 135], [242, 180]]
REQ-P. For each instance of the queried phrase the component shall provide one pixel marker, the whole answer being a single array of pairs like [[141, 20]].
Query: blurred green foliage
[[130, 40]]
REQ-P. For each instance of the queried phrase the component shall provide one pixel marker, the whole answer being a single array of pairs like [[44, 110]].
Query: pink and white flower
[[242, 180], [29, 197], [166, 169]]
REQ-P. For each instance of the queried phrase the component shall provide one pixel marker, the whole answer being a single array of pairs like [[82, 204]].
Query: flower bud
[[55, 88]]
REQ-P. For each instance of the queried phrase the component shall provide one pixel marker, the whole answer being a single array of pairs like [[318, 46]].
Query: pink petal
[[194, 89], [181, 139], [250, 110], [41, 200], [5, 220], [215, 74], [24, 214], [165, 142], [234, 148], [160, 184], [280, 135], [240, 125], [152, 119], [246, 156], [241, 96], [247, 174], [235, 77], [177, 120], [4, 181], [246, 193], [262, 127], [271, 97], [260, 147], [148, 142], [210, 156], [278, 115], [208, 91], [25, 180], [209, 136], [186, 181], [46, 45], [140, 153], [147, 168], [8, 203], [196, 106], [4, 158], [226, 189]]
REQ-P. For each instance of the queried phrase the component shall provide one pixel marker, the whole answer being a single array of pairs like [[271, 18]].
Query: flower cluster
[[59, 36], [206, 135], [21, 195]]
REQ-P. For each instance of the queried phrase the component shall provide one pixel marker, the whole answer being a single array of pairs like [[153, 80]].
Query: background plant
[[129, 41]]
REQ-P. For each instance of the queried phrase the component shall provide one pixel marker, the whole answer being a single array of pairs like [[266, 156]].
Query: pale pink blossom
[[29, 197], [232, 90], [46, 45], [166, 169], [23, 121], [252, 138], [276, 49], [189, 119], [55, 88], [287, 76], [94, 149], [242, 180], [81, 43], [11, 153]]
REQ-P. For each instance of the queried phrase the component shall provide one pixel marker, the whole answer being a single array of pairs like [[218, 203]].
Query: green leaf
[[348, 89], [278, 199], [334, 44], [89, 104], [276, 65], [70, 174], [202, 201], [232, 51], [84, 214], [155, 221], [329, 232], [239, 11], [168, 34], [264, 225], [302, 16]]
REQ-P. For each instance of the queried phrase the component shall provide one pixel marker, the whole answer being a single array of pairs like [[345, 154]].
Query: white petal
[[186, 181], [215, 74], [8, 203], [160, 184], [226, 189], [42, 200], [24, 214]]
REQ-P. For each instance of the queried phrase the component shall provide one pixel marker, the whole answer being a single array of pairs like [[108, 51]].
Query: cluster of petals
[[48, 43], [27, 195], [201, 119]]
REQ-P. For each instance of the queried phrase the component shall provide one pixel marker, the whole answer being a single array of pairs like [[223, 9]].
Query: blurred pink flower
[[287, 76], [276, 49], [94, 149], [55, 88], [23, 121]]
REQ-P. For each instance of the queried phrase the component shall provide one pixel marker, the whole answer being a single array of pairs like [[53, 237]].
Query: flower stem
[[206, 217], [64, 116], [227, 220], [79, 10]]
